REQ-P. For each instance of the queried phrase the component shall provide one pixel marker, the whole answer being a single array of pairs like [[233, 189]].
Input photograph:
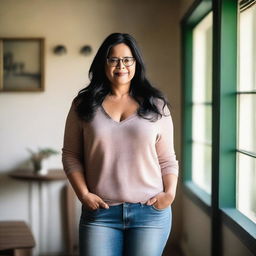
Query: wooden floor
[[173, 250]]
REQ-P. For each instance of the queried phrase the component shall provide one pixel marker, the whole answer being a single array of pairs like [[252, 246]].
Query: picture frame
[[22, 64]]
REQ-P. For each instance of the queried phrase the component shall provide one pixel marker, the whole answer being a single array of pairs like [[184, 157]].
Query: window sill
[[198, 196], [243, 227]]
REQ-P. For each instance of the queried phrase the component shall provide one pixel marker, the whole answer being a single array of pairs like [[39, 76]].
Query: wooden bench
[[16, 239]]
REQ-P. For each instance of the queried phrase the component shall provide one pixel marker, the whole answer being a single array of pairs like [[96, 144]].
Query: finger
[[95, 206], [148, 202], [91, 208], [151, 201], [103, 204]]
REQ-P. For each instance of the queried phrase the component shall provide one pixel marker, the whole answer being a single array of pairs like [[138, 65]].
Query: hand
[[161, 200], [93, 202]]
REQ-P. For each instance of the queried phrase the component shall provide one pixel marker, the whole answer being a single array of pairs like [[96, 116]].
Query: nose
[[120, 64]]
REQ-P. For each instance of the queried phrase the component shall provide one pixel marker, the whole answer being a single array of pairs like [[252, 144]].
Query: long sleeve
[[72, 151], [165, 146]]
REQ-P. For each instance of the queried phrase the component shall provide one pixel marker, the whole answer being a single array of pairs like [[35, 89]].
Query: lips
[[120, 73]]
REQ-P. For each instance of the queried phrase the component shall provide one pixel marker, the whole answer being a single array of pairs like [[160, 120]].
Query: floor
[[173, 250]]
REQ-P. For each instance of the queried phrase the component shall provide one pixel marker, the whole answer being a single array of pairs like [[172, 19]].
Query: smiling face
[[120, 74]]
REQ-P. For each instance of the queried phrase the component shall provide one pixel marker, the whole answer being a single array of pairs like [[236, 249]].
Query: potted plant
[[38, 156]]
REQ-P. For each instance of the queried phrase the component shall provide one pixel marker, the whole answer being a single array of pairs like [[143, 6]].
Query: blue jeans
[[130, 229]]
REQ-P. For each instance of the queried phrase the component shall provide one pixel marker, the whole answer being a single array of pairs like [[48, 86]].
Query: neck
[[120, 92]]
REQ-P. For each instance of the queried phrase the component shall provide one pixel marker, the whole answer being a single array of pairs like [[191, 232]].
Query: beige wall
[[37, 119], [196, 232], [232, 245]]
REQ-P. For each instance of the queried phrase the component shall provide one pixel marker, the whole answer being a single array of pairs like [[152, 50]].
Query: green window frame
[[221, 204]]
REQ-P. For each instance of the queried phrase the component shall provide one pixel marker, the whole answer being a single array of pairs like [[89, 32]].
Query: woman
[[119, 157]]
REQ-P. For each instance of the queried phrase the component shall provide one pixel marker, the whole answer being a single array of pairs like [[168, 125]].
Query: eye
[[113, 60], [128, 61]]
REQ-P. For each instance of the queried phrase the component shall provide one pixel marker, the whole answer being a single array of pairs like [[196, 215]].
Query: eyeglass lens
[[128, 61]]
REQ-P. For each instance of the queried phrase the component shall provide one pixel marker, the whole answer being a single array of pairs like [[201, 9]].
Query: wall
[[34, 120], [196, 231], [196, 234]]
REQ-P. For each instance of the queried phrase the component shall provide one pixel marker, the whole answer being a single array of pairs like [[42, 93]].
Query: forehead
[[120, 50]]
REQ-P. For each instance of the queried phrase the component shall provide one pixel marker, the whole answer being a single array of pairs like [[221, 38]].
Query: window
[[202, 103], [219, 115], [246, 114]]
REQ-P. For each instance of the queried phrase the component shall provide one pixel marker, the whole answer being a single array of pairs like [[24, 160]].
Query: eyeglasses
[[127, 61]]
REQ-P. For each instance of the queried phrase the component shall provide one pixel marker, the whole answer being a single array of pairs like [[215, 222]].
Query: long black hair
[[92, 96]]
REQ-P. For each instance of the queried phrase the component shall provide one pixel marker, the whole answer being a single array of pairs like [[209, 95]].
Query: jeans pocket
[[159, 210], [88, 212]]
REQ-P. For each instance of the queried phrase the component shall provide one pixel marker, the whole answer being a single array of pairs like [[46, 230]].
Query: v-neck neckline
[[118, 122]]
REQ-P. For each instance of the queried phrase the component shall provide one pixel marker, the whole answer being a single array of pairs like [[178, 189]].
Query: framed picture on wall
[[21, 64]]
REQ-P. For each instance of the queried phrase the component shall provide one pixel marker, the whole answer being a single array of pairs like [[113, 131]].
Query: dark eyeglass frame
[[120, 59]]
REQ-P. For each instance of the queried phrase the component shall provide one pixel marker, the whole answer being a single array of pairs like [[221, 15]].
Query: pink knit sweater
[[121, 161]]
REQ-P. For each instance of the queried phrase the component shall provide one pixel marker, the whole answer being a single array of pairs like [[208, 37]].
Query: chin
[[122, 81]]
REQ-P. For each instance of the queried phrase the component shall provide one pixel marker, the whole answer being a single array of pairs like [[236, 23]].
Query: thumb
[[103, 204], [151, 201]]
